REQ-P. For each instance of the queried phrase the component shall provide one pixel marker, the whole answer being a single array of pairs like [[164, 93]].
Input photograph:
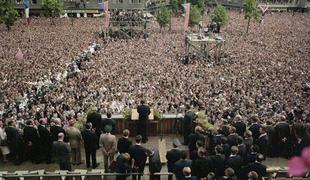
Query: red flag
[[186, 20], [19, 55], [107, 15]]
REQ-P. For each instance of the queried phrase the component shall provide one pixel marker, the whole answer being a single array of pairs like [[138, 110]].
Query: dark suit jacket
[[172, 156], [61, 151], [254, 128], [95, 119], [192, 139], [190, 178], [234, 162], [232, 139], [202, 166], [138, 153], [179, 165], [240, 128], [144, 112], [218, 162], [90, 140], [45, 137], [123, 145], [262, 143], [14, 139], [109, 122], [122, 165], [31, 135], [55, 130]]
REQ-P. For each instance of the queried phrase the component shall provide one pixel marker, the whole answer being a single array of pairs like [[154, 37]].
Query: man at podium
[[143, 124]]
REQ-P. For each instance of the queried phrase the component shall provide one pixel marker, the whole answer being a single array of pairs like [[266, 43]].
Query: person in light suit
[[108, 142], [76, 141]]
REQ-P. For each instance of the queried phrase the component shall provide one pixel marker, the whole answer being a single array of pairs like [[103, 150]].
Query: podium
[[132, 125]]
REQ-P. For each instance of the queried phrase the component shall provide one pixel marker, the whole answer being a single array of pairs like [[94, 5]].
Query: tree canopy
[[8, 14], [219, 15], [163, 17], [251, 11], [51, 8], [195, 15]]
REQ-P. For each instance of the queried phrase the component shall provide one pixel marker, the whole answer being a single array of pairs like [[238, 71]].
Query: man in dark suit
[[95, 119], [283, 136], [90, 144], [45, 141], [202, 165], [262, 141], [180, 164], [254, 127], [123, 143], [189, 117], [62, 152], [256, 166], [173, 156], [143, 123], [232, 137], [123, 165], [31, 139], [194, 137], [234, 161], [218, 161], [108, 122], [239, 125], [56, 129], [15, 143], [138, 155]]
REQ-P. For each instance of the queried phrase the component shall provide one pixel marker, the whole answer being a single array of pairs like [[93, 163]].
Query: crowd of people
[[262, 77]]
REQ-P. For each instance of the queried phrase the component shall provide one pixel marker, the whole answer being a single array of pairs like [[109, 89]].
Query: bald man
[[187, 172], [62, 152]]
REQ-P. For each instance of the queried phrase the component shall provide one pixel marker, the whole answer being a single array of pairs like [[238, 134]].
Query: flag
[[19, 55], [186, 20], [107, 14]]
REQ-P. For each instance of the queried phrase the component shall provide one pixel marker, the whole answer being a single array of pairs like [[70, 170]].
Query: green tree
[[163, 17], [8, 15], [219, 15], [199, 3], [52, 9], [174, 4], [251, 12], [195, 16]]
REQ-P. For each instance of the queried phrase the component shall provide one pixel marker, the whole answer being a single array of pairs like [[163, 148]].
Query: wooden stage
[[168, 124]]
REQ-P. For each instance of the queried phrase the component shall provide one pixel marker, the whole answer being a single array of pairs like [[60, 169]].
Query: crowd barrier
[[273, 174]]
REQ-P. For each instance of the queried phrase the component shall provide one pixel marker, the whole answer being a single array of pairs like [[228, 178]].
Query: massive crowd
[[263, 73]]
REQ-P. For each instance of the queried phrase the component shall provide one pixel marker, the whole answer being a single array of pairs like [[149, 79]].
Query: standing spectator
[[56, 129], [232, 138], [62, 152], [234, 161], [202, 165], [218, 161], [253, 175], [123, 143], [95, 119], [187, 174], [45, 141], [108, 122], [75, 140], [143, 123], [31, 139], [154, 163], [3, 143], [239, 125], [123, 165], [15, 143], [107, 142], [194, 137], [248, 140], [256, 166], [189, 117], [254, 127], [180, 164], [173, 156], [138, 155], [90, 144], [282, 135], [262, 141], [229, 175]]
